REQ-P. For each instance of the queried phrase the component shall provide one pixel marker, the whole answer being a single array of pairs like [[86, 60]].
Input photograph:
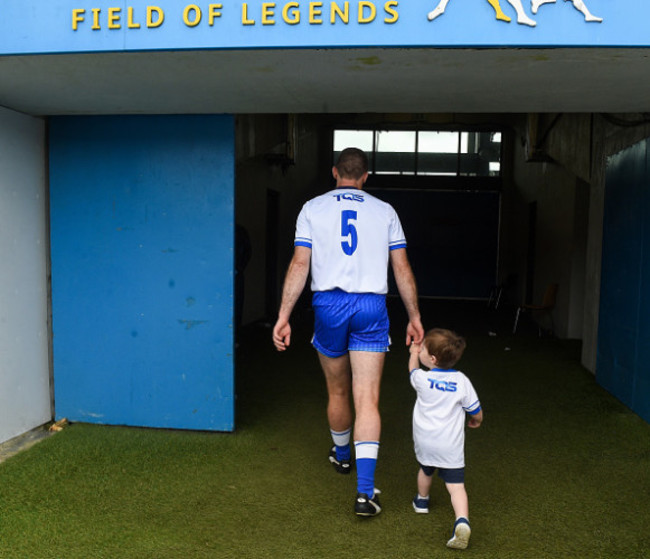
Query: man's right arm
[[294, 283], [409, 294]]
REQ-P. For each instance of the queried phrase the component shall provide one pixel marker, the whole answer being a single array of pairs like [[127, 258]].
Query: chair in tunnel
[[547, 305], [497, 291]]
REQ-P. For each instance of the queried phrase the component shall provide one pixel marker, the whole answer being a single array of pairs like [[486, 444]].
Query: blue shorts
[[349, 322], [448, 475]]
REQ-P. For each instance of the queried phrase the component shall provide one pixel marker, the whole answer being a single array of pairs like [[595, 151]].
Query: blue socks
[[366, 459], [342, 442]]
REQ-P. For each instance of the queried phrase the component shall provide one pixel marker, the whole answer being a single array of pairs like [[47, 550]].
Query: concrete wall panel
[[24, 357]]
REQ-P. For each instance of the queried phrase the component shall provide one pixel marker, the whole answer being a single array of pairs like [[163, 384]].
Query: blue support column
[[624, 319], [142, 212]]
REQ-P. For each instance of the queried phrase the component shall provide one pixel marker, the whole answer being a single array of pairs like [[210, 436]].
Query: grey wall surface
[[570, 188], [283, 160], [25, 400], [560, 243]]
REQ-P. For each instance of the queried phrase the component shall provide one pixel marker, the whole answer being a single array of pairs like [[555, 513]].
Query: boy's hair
[[446, 346], [352, 163]]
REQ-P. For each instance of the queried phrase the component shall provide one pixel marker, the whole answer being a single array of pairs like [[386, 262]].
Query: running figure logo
[[522, 17], [577, 4]]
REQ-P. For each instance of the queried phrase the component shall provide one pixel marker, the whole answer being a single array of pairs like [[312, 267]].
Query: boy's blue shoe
[[367, 506], [421, 505], [460, 538], [341, 466]]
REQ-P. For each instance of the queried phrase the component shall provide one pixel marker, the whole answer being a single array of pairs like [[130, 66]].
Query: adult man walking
[[346, 237]]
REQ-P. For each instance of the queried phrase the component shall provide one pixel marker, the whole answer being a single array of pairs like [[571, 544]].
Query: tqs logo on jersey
[[348, 196], [442, 385]]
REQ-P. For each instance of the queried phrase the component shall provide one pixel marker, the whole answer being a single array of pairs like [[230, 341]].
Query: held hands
[[414, 332], [414, 337]]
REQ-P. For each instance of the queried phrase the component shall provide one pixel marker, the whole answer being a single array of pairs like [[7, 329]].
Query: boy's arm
[[475, 420], [414, 360]]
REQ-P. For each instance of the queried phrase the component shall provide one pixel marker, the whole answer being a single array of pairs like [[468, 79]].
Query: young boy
[[444, 396]]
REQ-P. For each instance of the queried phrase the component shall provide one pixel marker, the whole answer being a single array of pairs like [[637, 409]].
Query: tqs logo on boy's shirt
[[442, 385]]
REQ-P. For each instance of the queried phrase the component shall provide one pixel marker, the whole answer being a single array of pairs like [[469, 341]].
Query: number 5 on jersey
[[349, 232]]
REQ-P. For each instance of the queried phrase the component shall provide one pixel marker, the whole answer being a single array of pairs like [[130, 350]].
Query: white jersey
[[443, 398], [350, 233]]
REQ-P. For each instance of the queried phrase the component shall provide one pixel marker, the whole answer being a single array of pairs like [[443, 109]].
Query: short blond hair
[[445, 345]]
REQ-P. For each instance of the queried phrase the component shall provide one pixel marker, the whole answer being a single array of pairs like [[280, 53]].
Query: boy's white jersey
[[443, 399], [350, 233]]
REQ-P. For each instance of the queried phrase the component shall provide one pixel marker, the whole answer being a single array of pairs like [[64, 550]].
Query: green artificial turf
[[558, 469]]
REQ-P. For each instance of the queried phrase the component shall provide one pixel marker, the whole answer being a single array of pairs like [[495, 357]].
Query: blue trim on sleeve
[[474, 412], [302, 243], [400, 244]]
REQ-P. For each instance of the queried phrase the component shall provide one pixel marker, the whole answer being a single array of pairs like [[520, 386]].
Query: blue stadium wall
[[142, 211], [59, 26], [623, 365]]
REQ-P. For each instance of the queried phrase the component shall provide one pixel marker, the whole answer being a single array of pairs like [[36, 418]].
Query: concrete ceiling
[[329, 81]]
